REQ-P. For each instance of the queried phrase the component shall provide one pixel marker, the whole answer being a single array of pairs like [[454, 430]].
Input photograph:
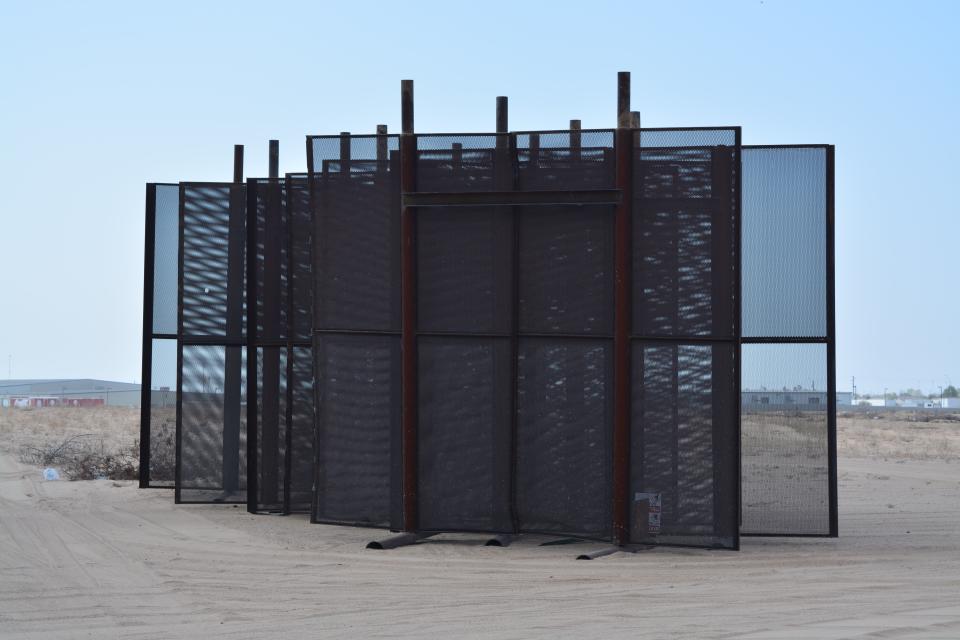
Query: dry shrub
[[85, 457]]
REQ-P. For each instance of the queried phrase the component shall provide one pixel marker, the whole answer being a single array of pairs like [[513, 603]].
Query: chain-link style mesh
[[689, 137], [461, 163], [784, 242], [357, 386], [563, 160], [787, 417], [784, 411], [212, 443], [165, 258], [162, 427]]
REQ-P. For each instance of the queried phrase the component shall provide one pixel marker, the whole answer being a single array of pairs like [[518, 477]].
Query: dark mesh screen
[[213, 236], [465, 403], [301, 454], [163, 413], [684, 260], [356, 239], [565, 160], [684, 444], [563, 436], [300, 257], [566, 270], [464, 266], [165, 258], [785, 464], [784, 242], [212, 448], [271, 427], [358, 414], [271, 259], [458, 163]]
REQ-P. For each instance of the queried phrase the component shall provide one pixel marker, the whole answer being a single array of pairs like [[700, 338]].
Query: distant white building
[[951, 403]]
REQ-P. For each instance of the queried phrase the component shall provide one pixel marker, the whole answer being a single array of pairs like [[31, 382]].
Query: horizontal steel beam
[[511, 198]]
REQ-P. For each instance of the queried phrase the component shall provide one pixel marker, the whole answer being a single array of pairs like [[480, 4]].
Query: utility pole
[[941, 396], [853, 388]]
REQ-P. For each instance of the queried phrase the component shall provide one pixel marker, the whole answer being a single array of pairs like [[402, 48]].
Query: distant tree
[[951, 392]]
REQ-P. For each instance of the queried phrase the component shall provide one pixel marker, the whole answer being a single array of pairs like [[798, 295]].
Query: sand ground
[[103, 559]]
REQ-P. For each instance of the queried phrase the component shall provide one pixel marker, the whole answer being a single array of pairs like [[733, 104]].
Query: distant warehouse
[[82, 392], [795, 399]]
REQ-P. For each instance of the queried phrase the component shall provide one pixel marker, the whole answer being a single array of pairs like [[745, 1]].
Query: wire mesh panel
[[563, 436], [688, 137], [356, 236], [211, 422], [356, 347], [684, 444], [465, 405], [271, 428], [213, 235], [784, 426], [461, 163], [566, 270], [357, 389], [163, 413], [158, 393], [564, 160], [684, 258], [788, 410], [784, 242], [211, 445], [684, 435], [300, 451], [165, 258], [299, 257]]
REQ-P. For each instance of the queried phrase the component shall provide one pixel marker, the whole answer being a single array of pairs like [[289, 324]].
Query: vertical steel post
[[252, 294], [507, 221], [831, 349], [274, 170], [575, 140], [238, 163], [408, 312], [233, 355], [146, 372], [382, 149], [621, 322], [345, 154]]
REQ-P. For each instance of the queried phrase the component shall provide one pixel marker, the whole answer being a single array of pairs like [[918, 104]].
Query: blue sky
[[98, 98]]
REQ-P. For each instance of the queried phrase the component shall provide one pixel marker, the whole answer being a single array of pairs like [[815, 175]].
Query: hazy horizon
[[101, 98]]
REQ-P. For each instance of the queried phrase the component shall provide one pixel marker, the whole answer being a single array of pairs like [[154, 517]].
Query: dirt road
[[101, 559]]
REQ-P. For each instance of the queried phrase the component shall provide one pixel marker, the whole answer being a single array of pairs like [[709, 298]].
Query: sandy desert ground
[[103, 559]]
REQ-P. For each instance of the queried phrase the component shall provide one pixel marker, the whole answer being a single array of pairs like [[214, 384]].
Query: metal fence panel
[[211, 422], [358, 410], [356, 347], [211, 442], [788, 403], [784, 423], [158, 382], [684, 440]]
